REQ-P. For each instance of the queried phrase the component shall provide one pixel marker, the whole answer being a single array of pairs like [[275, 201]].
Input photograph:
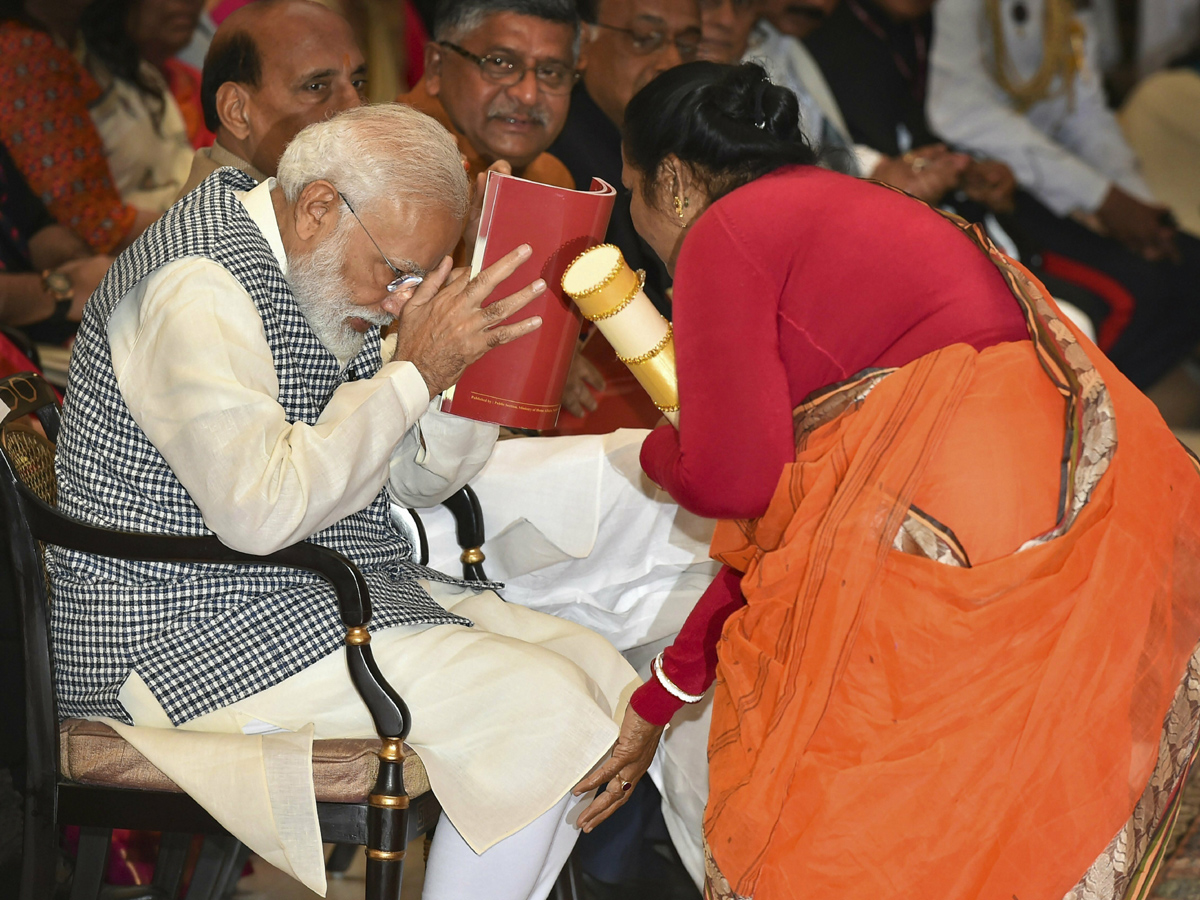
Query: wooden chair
[[372, 793]]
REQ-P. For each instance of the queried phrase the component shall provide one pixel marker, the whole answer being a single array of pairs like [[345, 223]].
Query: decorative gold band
[[612, 294], [668, 409], [652, 352], [386, 855], [472, 556], [388, 801], [633, 292], [358, 635], [392, 750], [655, 371]]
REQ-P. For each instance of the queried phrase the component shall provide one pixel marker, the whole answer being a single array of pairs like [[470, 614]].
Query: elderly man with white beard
[[228, 379]]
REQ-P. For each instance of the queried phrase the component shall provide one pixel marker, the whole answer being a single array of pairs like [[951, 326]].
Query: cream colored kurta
[[507, 715]]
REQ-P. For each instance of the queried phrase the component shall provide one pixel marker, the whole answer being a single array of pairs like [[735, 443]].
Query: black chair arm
[[388, 710], [468, 526]]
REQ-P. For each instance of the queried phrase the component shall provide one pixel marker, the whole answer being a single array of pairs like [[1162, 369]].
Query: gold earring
[[680, 205]]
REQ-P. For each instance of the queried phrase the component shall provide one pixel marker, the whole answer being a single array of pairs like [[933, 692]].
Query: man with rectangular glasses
[[498, 76]]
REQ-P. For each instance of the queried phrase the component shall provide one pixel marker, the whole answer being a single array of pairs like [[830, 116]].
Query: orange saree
[[894, 719]]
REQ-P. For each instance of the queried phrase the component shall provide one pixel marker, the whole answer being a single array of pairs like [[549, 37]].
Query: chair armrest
[[387, 708], [468, 527]]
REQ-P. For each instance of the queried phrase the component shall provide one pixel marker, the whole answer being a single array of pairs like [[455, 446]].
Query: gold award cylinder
[[610, 294]]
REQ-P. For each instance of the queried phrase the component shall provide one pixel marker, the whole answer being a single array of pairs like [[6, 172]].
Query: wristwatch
[[58, 285]]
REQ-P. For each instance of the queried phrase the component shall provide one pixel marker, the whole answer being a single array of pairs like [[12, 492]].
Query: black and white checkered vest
[[201, 637]]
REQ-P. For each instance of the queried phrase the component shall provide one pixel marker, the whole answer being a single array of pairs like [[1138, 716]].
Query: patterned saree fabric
[[45, 124], [893, 720]]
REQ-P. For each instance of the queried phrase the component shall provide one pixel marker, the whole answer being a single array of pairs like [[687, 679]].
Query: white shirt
[[1066, 149], [193, 365]]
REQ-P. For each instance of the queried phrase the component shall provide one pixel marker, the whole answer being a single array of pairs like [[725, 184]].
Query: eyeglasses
[[499, 68], [643, 43], [404, 281]]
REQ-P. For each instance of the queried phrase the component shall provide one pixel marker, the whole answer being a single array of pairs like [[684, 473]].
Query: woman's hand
[[630, 759]]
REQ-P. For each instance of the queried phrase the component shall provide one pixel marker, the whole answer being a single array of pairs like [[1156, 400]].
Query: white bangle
[[673, 689]]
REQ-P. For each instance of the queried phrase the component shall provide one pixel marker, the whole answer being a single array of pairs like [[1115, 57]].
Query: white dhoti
[[508, 716]]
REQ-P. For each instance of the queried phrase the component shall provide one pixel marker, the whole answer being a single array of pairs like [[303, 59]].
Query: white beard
[[324, 298]]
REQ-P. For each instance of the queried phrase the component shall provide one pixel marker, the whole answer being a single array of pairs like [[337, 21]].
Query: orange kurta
[[890, 723]]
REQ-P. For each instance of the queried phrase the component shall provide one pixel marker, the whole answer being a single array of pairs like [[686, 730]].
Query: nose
[[668, 57], [525, 91]]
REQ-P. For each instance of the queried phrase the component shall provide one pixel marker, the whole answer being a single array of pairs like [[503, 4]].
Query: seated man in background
[[626, 43], [498, 76], [274, 67], [1003, 85], [229, 379]]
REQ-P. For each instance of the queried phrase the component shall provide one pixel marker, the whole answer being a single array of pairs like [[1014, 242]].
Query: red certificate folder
[[520, 384]]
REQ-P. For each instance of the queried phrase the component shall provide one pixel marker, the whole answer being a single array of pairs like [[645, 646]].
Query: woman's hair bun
[[730, 123], [746, 95]]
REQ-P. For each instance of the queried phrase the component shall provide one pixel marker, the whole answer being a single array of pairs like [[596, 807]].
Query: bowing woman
[[953, 640]]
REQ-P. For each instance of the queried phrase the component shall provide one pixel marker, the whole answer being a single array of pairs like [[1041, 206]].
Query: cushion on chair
[[343, 770]]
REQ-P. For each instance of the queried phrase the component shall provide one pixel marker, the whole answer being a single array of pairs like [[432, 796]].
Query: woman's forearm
[[690, 663]]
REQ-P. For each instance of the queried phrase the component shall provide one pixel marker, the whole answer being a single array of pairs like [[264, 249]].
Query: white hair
[[387, 151]]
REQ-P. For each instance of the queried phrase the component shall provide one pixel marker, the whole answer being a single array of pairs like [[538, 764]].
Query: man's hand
[[630, 759], [1144, 228], [445, 327], [990, 182], [927, 173], [86, 275], [577, 399], [472, 229]]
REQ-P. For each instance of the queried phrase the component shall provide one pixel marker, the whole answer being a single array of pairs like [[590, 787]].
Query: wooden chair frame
[[385, 823]]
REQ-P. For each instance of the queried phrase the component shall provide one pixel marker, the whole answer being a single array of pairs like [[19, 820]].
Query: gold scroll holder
[[610, 294]]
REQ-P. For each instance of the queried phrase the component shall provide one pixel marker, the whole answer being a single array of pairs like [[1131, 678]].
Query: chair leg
[[91, 863], [173, 850], [211, 867], [387, 829], [40, 850]]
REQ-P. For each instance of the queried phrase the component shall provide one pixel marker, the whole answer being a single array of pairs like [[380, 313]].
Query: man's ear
[[233, 109], [316, 210], [433, 68]]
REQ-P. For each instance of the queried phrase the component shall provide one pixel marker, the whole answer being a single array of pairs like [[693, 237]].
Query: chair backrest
[[26, 477]]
